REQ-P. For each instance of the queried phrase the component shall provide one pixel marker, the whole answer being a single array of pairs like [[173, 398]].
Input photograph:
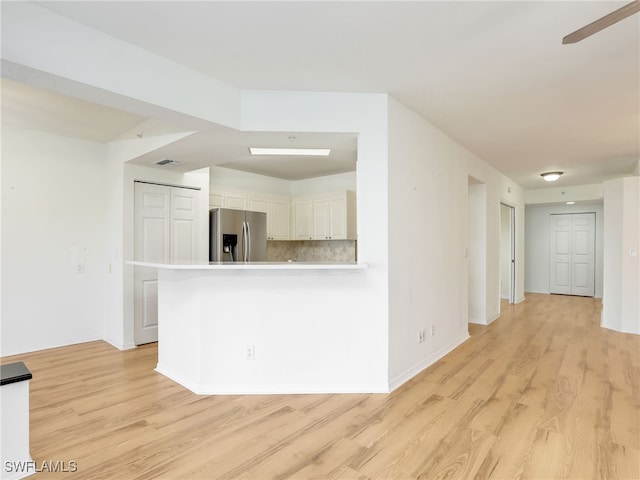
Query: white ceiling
[[492, 75], [230, 149]]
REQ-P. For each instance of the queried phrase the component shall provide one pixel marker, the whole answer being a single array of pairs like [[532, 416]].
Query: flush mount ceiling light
[[571, 203], [551, 176], [317, 152]]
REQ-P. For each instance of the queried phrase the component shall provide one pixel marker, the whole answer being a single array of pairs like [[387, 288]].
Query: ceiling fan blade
[[602, 23]]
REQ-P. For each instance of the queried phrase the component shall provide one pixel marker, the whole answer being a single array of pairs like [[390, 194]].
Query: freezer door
[[226, 224], [257, 227]]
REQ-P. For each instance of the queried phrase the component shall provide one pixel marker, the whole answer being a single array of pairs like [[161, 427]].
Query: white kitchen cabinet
[[339, 218], [279, 220], [216, 200], [330, 216], [321, 219], [278, 216], [334, 216], [302, 220], [224, 199], [237, 202], [258, 205], [327, 216]]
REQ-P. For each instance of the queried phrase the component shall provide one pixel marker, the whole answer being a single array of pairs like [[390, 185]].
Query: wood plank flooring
[[542, 393]]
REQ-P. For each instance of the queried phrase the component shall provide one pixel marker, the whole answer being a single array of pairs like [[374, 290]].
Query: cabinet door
[[338, 218], [302, 219], [279, 220], [215, 200], [236, 202], [321, 219], [258, 205]]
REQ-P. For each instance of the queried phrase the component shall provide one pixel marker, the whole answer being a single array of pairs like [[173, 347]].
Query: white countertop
[[252, 266]]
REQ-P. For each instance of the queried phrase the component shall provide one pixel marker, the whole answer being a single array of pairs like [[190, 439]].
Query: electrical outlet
[[433, 330], [251, 352]]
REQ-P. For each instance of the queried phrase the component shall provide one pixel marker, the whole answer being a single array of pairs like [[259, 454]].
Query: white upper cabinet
[[332, 216], [277, 208], [335, 216], [302, 219], [221, 199], [278, 212], [279, 219], [322, 219], [338, 220], [327, 216], [258, 205], [237, 202], [216, 200]]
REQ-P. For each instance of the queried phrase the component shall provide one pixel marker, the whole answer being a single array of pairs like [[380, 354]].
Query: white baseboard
[[276, 389], [415, 369], [120, 346]]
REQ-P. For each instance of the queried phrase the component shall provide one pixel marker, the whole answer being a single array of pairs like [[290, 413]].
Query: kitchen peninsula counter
[[267, 327]]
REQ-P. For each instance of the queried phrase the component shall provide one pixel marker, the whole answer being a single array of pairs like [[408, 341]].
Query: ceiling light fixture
[[571, 203], [318, 152], [551, 176]]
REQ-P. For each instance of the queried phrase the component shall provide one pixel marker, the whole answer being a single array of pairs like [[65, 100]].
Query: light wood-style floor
[[542, 393]]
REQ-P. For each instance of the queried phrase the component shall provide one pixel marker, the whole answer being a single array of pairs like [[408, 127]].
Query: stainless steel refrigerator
[[237, 235]]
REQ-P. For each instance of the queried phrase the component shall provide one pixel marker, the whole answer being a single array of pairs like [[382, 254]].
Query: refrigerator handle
[[244, 241], [248, 242]]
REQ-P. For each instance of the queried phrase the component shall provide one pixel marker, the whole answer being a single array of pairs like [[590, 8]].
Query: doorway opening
[[477, 251], [507, 253]]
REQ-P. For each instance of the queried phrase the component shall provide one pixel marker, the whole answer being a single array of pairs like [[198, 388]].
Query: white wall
[[500, 189], [554, 195], [53, 208], [366, 115], [621, 295], [235, 179], [428, 234], [229, 178], [328, 183], [538, 241]]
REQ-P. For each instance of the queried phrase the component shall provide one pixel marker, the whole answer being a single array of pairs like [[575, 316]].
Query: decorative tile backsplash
[[312, 251]]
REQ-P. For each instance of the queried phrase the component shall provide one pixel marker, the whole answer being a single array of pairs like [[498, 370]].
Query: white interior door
[[507, 253], [165, 230], [583, 254], [572, 254], [184, 225], [152, 244]]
